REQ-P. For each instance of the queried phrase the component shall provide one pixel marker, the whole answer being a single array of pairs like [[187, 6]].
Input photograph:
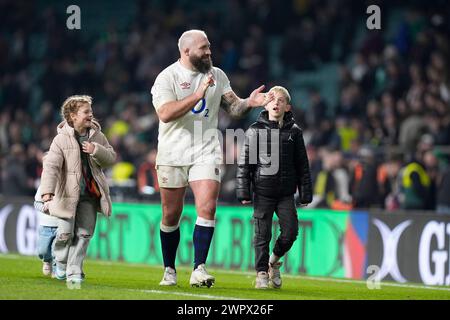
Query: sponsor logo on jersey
[[185, 85]]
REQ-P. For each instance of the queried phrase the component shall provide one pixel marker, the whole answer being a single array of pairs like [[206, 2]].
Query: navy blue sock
[[202, 241], [169, 245]]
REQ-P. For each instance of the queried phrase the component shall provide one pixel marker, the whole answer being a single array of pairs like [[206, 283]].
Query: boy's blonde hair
[[282, 90], [72, 104]]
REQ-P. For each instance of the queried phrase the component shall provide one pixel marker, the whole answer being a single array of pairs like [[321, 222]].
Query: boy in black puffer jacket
[[274, 163]]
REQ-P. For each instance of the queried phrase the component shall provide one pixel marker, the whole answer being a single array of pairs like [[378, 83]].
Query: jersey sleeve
[[223, 79], [162, 91]]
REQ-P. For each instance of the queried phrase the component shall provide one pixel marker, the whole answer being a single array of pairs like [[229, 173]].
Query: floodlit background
[[369, 101]]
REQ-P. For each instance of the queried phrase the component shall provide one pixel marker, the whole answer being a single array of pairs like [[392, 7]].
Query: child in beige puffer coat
[[74, 183]]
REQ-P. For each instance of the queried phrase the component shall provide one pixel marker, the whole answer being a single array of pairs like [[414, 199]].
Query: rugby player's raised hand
[[206, 83], [258, 98]]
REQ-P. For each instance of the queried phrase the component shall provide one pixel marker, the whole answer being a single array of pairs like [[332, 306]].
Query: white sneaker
[[262, 280], [200, 277], [60, 274], [75, 278], [169, 278], [47, 268], [275, 275], [74, 281]]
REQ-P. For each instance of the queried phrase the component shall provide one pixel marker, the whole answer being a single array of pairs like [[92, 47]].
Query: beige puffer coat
[[62, 173]]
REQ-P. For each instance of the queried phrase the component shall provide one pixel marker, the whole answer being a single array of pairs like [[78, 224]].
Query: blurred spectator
[[443, 198], [33, 165], [348, 132], [315, 163], [388, 185], [415, 185], [350, 103], [147, 180], [364, 180], [123, 180], [412, 128], [317, 110], [14, 176], [325, 135], [331, 188], [431, 164]]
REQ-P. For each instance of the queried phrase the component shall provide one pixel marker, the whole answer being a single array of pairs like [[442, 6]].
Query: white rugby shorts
[[180, 176]]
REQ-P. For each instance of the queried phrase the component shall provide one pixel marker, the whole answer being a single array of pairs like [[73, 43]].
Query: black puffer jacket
[[256, 167]]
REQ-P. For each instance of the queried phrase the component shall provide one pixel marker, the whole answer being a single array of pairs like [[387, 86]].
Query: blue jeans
[[46, 241]]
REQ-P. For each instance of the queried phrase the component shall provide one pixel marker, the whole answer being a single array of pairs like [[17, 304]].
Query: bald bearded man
[[187, 96]]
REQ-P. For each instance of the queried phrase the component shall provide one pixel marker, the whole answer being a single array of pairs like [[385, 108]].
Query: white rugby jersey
[[193, 138]]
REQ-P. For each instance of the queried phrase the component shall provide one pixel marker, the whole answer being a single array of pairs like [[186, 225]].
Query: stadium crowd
[[385, 144]]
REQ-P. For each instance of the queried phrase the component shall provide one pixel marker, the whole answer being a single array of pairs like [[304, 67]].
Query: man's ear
[[186, 52], [288, 107]]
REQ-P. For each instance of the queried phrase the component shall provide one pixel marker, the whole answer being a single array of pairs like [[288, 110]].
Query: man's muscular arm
[[176, 109], [238, 107], [234, 105]]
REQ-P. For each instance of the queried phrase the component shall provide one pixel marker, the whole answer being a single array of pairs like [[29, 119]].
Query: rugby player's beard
[[200, 63]]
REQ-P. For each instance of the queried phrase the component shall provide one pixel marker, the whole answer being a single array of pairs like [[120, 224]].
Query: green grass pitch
[[21, 278]]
